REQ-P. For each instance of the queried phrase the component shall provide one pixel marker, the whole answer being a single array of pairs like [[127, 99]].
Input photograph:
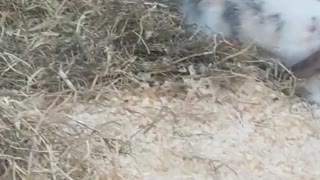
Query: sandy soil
[[250, 132]]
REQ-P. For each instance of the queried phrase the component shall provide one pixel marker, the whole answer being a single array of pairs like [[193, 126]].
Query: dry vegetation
[[57, 51]]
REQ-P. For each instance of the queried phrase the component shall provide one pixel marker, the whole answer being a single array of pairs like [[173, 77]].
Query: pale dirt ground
[[210, 133]]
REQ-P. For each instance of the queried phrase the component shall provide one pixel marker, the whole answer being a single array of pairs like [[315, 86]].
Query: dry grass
[[56, 49]]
